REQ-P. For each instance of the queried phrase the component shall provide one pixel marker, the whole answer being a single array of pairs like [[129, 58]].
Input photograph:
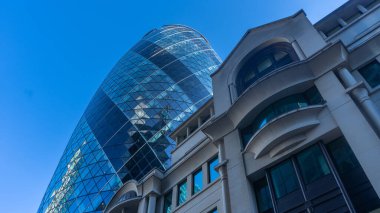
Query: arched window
[[264, 61], [296, 101], [127, 196]]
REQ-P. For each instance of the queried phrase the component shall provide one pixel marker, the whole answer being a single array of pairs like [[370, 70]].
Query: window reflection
[[168, 202], [312, 164], [371, 73], [214, 211], [182, 192], [213, 174], [359, 188], [264, 201], [284, 179], [197, 181]]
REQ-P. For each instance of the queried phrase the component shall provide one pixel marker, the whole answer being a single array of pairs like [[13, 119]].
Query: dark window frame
[[369, 77], [209, 162], [197, 171], [183, 182], [214, 210], [259, 184], [277, 191], [170, 206]]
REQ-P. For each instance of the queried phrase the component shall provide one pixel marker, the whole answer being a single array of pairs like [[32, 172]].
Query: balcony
[[284, 132]]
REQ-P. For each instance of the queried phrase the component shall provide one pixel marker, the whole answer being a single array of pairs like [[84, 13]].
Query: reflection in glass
[[312, 164], [371, 73], [213, 174], [197, 181], [182, 193], [214, 211], [359, 189], [123, 134], [284, 179], [264, 200], [343, 157], [168, 202]]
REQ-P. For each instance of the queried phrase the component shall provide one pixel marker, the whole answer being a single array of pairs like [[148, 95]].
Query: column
[[189, 189], [360, 94], [152, 203], [223, 177], [240, 191], [143, 205], [353, 124], [362, 9]]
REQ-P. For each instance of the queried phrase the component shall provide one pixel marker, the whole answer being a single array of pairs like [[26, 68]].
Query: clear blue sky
[[54, 55]]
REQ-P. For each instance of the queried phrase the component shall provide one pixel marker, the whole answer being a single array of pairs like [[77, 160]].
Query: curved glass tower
[[122, 135]]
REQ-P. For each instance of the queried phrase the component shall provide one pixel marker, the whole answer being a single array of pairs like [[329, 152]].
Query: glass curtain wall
[[123, 133]]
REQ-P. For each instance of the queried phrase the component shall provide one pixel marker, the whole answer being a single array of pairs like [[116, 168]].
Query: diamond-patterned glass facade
[[123, 133]]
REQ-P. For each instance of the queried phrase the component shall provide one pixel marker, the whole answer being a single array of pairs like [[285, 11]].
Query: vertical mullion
[[271, 191], [336, 177], [300, 181]]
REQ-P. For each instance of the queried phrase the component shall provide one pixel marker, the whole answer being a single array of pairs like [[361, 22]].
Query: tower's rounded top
[[164, 28]]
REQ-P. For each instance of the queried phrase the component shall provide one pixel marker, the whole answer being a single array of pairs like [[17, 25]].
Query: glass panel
[[313, 96], [213, 174], [358, 187], [279, 55], [182, 192], [264, 61], [342, 156], [371, 73], [284, 179], [168, 202], [312, 164], [214, 211], [264, 200], [153, 88], [197, 181], [264, 64], [251, 74]]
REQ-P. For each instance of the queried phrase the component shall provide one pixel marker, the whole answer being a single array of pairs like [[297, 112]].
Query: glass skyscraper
[[123, 133]]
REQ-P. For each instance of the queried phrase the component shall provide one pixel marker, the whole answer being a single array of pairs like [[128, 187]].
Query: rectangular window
[[213, 174], [342, 156], [168, 202], [371, 73], [312, 164], [264, 200], [197, 181], [284, 179], [359, 188], [182, 192]]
